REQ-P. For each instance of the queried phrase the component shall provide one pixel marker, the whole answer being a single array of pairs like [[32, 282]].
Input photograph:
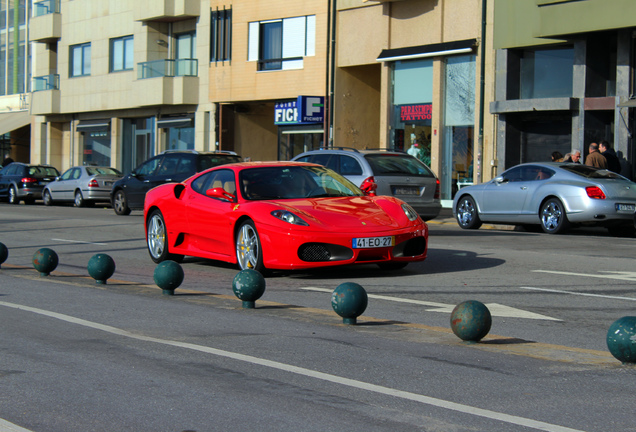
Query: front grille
[[415, 246], [320, 252], [314, 253]]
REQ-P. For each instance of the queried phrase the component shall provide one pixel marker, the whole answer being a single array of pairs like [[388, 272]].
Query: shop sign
[[416, 112], [303, 110]]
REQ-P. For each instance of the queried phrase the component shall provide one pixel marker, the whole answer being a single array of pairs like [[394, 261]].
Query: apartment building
[[270, 87], [15, 79], [411, 71], [565, 78], [116, 82]]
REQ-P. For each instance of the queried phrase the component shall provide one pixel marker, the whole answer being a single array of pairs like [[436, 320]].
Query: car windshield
[[397, 165], [209, 161], [293, 182], [591, 172], [102, 171]]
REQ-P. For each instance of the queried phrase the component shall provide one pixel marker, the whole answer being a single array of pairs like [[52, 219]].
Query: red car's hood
[[346, 214]]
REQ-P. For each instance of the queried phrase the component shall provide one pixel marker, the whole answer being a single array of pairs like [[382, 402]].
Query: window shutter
[[294, 37], [310, 49], [252, 48]]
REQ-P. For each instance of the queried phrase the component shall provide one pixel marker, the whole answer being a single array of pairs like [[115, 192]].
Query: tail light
[[436, 196], [369, 186], [595, 192], [29, 180], [93, 183]]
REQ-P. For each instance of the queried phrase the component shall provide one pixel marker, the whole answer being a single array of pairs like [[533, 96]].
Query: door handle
[[523, 187]]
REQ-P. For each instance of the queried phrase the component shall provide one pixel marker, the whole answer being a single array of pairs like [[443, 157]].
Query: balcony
[[166, 10], [167, 82], [46, 95], [46, 24]]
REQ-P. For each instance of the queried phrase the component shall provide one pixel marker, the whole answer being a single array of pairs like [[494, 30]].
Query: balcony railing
[[46, 82], [45, 7], [167, 68]]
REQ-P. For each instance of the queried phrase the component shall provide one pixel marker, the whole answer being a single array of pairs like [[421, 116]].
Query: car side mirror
[[221, 194], [500, 180]]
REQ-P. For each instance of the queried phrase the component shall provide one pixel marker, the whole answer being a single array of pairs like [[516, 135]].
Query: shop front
[[96, 142], [300, 125]]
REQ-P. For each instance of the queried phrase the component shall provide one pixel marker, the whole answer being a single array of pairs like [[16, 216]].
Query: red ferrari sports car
[[280, 215]]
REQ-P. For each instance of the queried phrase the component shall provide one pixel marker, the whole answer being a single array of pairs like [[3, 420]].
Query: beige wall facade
[[119, 98], [365, 108]]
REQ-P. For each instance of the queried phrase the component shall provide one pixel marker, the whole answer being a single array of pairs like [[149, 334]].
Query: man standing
[[595, 158], [610, 155], [576, 156]]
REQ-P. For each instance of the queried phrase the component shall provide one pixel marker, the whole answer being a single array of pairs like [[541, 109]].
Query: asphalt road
[[77, 356]]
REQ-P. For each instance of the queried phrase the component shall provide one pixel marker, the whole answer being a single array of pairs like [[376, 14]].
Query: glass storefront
[[97, 148], [294, 140], [412, 107], [459, 125], [181, 138], [138, 142]]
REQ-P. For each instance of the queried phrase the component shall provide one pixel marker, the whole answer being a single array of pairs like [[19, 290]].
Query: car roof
[[264, 164], [349, 151]]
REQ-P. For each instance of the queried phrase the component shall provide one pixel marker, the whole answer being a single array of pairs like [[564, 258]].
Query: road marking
[[427, 400], [619, 275], [79, 241], [6, 426], [579, 293], [495, 309]]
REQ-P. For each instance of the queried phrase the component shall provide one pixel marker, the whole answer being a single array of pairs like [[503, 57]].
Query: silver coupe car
[[82, 185], [552, 195]]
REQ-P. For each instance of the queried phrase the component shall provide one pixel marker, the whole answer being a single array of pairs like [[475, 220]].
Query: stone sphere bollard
[[4, 253], [248, 285], [471, 321], [45, 260], [101, 267], [168, 276], [621, 339], [349, 300]]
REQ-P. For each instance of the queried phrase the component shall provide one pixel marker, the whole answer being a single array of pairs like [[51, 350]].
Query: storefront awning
[[93, 125], [424, 51], [13, 120], [175, 121]]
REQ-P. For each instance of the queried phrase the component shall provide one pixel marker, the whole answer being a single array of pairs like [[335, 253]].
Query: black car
[[24, 182], [171, 166]]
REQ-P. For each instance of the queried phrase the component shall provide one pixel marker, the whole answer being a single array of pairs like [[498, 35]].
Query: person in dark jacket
[[610, 155]]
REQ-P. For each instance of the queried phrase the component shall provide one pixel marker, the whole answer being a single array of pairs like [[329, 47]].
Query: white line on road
[[6, 426], [427, 400], [620, 275], [495, 309], [79, 241], [579, 293]]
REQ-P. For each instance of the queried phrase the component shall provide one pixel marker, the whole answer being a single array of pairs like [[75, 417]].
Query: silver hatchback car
[[392, 173]]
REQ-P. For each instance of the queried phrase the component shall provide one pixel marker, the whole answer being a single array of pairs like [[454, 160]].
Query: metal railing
[[167, 68], [46, 82], [46, 7]]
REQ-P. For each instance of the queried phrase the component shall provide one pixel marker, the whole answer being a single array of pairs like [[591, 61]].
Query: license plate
[[626, 207], [373, 242], [108, 183], [406, 190]]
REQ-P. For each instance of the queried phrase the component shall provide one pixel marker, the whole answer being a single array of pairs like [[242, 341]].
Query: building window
[[546, 73], [80, 60], [221, 36], [121, 54], [282, 44]]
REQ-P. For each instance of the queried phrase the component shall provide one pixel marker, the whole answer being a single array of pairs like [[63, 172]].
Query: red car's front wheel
[[248, 248]]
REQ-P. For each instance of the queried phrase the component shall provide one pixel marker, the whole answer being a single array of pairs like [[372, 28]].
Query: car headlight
[[409, 212], [289, 217]]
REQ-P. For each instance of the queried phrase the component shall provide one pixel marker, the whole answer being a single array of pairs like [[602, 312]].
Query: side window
[[10, 170], [349, 166], [327, 160], [513, 175], [216, 179], [169, 165], [76, 173], [303, 159], [149, 167], [186, 166], [67, 175]]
